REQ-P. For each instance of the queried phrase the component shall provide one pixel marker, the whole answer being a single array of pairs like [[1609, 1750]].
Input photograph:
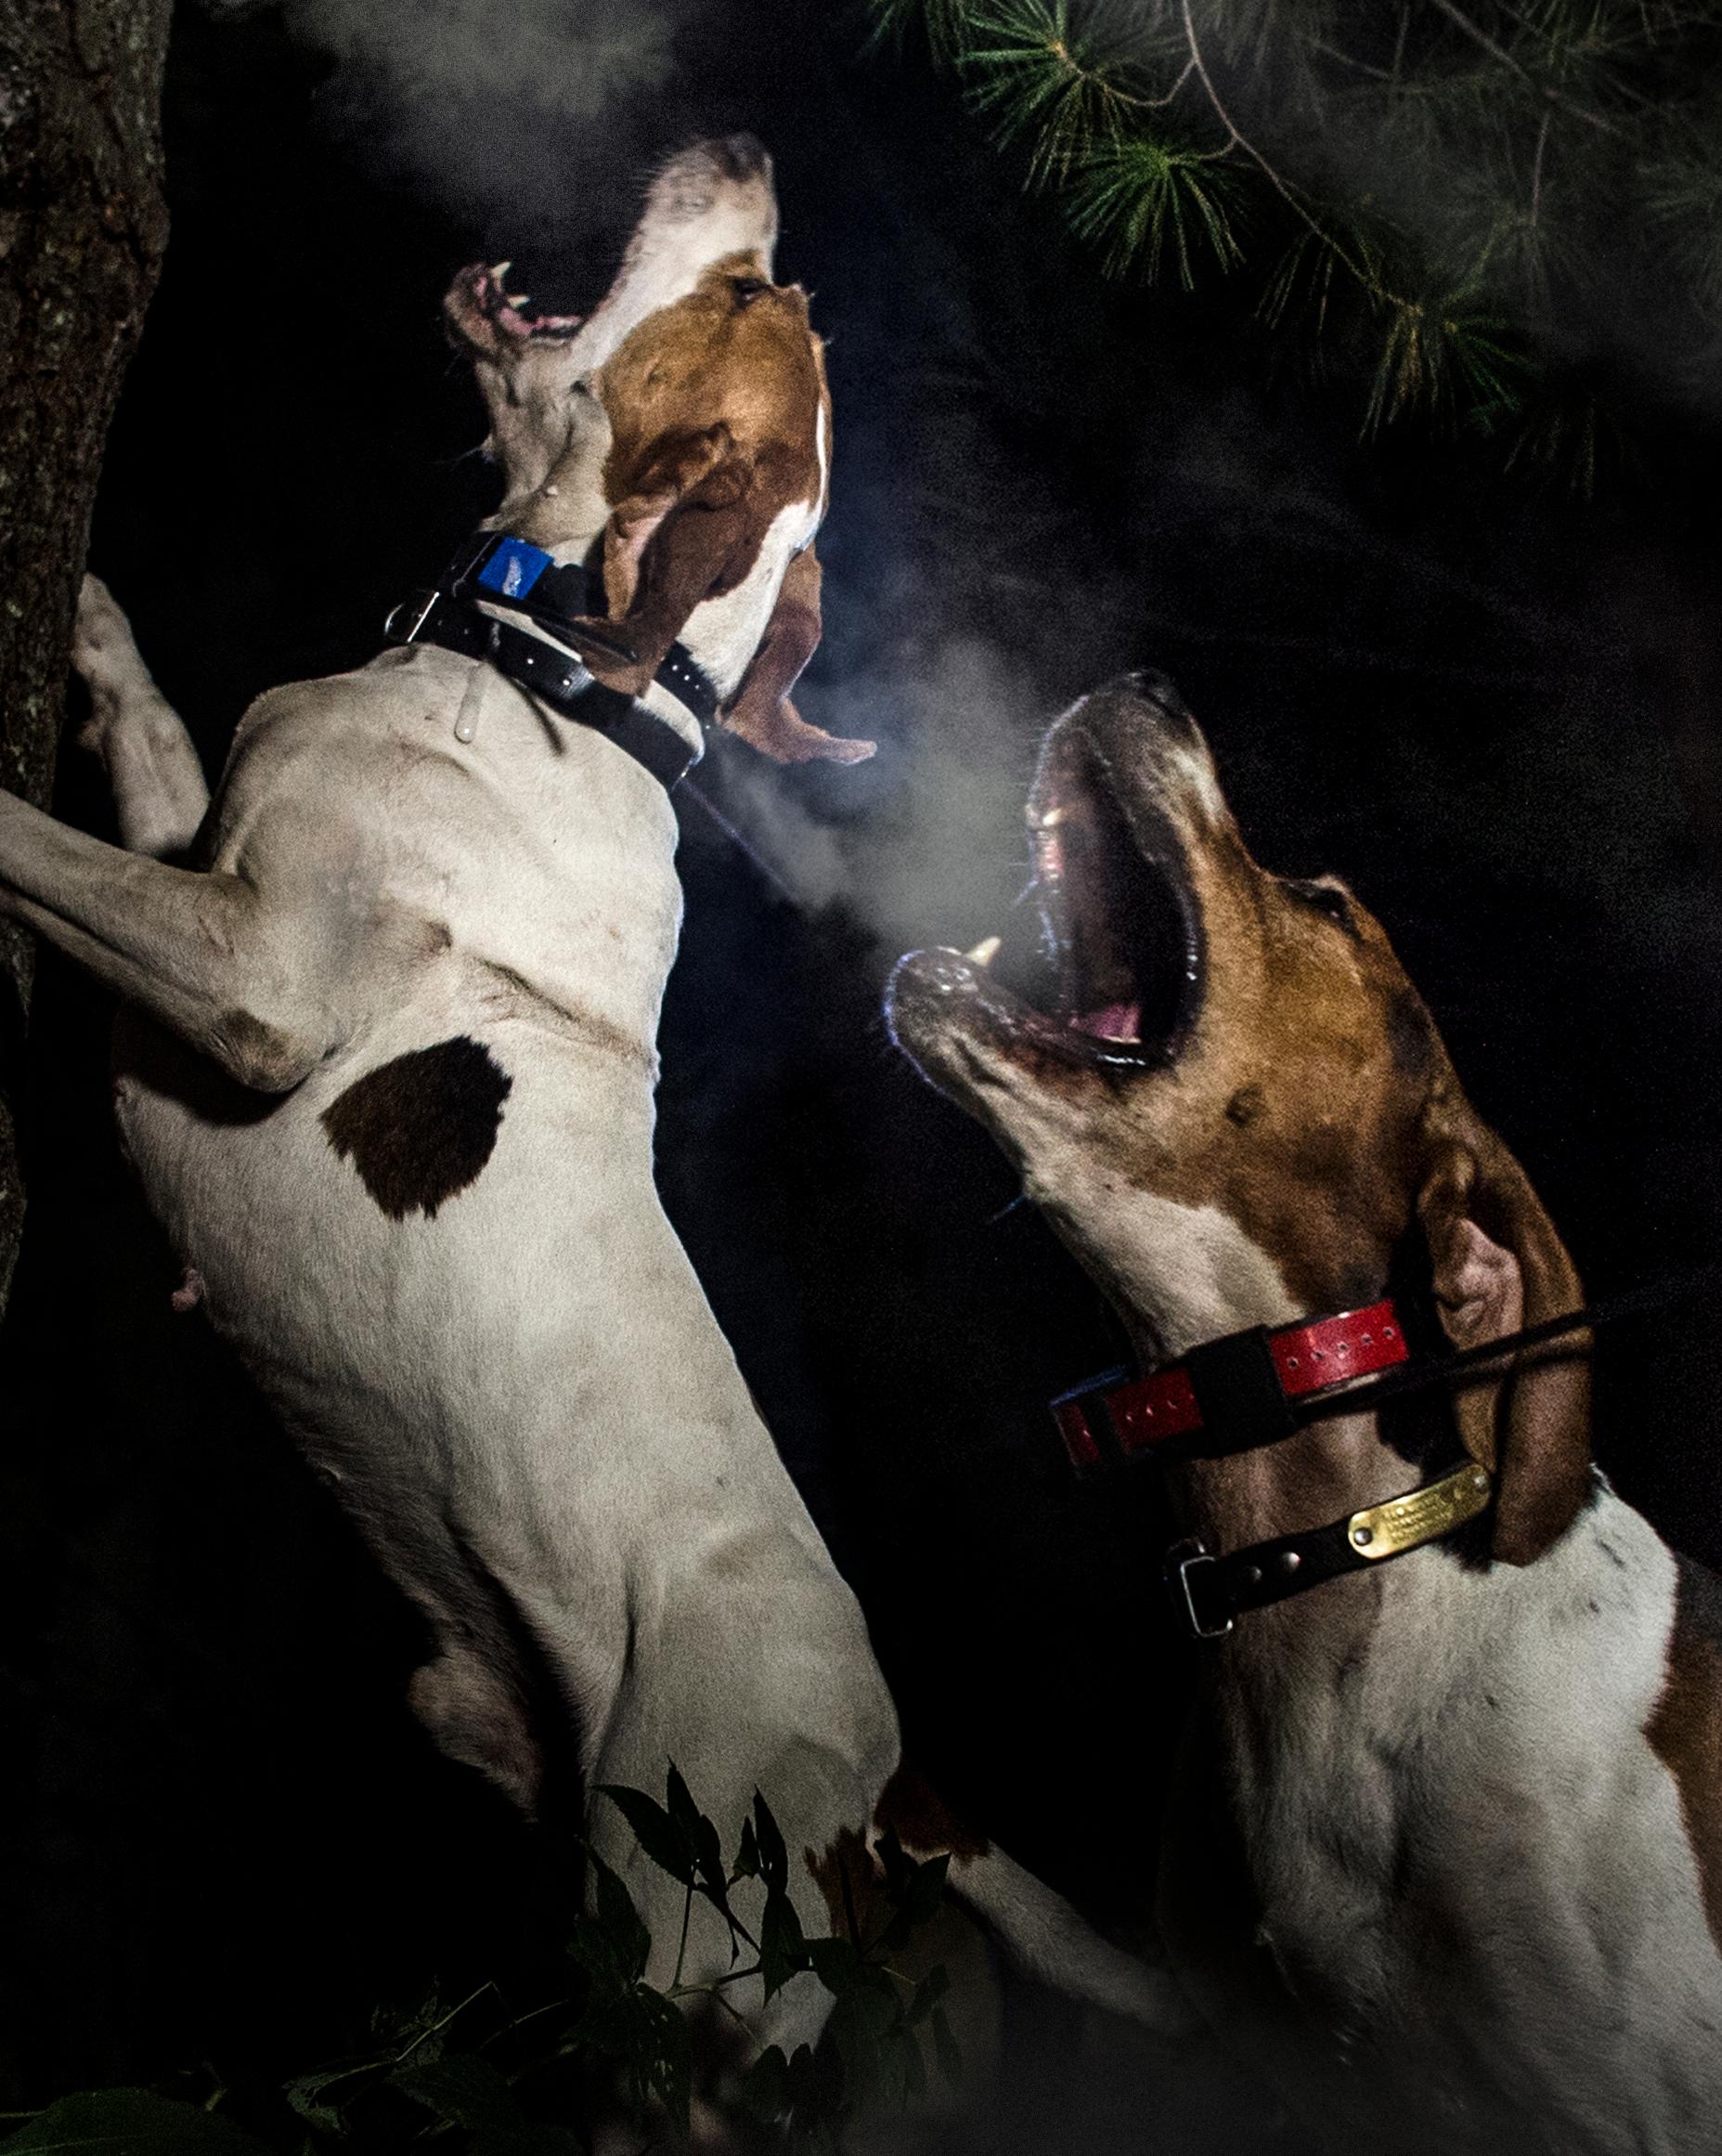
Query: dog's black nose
[[741, 156]]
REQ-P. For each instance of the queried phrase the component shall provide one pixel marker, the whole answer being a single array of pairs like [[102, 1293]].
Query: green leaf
[[816, 2090], [926, 1890], [463, 2090], [660, 1836], [945, 2047], [130, 2122], [592, 1949], [746, 1866], [660, 2061], [307, 2093], [714, 1880], [783, 1951], [896, 1863], [620, 1922], [765, 2090], [837, 1964], [700, 1838], [773, 1856], [854, 2030]]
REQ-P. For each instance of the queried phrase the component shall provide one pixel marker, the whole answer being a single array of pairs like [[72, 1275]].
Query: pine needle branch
[[1440, 189]]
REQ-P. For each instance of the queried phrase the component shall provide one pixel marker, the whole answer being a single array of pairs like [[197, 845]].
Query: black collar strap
[[499, 570], [1208, 1593], [1243, 1390]]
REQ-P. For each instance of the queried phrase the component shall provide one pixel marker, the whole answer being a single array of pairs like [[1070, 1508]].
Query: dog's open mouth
[[1116, 976], [481, 307]]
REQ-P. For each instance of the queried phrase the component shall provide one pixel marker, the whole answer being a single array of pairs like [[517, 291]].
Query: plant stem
[[437, 2027], [687, 1912]]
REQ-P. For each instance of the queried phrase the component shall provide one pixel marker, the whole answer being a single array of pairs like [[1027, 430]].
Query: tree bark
[[82, 224]]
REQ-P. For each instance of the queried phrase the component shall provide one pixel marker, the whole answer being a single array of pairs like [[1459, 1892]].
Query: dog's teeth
[[1053, 818], [985, 952], [518, 299], [500, 269]]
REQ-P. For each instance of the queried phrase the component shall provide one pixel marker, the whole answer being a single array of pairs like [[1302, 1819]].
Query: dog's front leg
[[160, 793], [761, 710], [256, 981]]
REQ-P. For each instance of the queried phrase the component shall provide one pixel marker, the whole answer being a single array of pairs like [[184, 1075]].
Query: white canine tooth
[[500, 269], [1053, 818], [517, 299], [985, 952]]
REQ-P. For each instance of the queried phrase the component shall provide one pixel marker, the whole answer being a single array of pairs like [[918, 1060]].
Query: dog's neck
[[566, 510], [1322, 1473]]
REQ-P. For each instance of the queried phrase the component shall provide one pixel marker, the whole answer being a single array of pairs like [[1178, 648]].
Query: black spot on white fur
[[420, 1128]]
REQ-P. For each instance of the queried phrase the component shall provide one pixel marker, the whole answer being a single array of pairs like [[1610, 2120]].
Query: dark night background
[[1488, 704]]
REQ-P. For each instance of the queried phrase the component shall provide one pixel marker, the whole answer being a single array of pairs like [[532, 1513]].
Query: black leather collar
[[496, 570], [1208, 1591]]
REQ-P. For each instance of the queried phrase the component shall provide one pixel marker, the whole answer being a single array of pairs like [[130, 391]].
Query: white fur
[[1485, 1765], [724, 633]]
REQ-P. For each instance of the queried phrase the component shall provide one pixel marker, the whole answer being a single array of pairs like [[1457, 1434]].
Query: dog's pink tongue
[[1117, 1022]]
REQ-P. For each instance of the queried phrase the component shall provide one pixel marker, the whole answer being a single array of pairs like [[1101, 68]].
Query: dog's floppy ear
[[684, 467], [1498, 1266], [761, 710]]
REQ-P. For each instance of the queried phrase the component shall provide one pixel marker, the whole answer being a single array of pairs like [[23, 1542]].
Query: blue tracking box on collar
[[513, 568]]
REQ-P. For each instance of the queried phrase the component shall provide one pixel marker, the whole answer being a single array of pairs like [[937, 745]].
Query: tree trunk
[[82, 224]]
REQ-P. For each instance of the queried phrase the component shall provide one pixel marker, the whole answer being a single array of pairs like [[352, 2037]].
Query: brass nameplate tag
[[1420, 1515]]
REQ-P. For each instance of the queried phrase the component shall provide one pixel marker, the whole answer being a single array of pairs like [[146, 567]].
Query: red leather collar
[[1308, 1357]]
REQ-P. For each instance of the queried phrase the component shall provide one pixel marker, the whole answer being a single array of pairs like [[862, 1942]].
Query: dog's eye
[[1327, 898], [748, 289]]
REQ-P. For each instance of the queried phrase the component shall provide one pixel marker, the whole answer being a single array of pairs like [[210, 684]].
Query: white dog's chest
[[1471, 1897], [420, 1209]]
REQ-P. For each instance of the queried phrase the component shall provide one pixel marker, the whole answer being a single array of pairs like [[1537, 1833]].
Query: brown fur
[[912, 1809], [1686, 1732], [922, 1821], [420, 1128], [715, 408], [761, 710]]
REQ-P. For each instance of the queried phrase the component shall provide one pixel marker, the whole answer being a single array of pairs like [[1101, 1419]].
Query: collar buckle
[[1181, 1559], [409, 618]]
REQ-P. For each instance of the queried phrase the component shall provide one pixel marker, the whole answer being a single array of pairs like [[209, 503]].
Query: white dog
[[387, 1071]]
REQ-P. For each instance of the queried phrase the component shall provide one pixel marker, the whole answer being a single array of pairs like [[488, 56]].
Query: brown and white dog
[[386, 1073], [681, 434], [1445, 1856]]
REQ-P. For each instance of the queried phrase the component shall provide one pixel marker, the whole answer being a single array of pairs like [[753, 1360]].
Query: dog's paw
[[780, 732], [105, 657]]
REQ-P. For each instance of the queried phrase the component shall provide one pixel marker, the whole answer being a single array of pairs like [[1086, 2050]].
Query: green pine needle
[[1447, 362], [1034, 78], [1355, 160], [1136, 195]]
